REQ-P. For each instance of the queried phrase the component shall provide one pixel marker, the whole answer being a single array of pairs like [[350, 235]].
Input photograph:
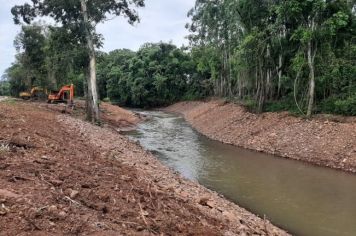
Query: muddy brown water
[[300, 198]]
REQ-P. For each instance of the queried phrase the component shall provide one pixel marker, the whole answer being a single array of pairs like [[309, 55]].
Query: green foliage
[[260, 49], [46, 57], [339, 106], [157, 75], [4, 88], [260, 53]]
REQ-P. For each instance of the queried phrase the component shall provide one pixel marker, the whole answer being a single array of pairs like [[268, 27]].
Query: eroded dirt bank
[[321, 141], [60, 175]]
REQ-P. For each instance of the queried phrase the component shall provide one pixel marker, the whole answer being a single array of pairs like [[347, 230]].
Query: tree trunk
[[92, 86], [87, 95], [52, 79], [268, 72], [279, 72], [311, 56], [261, 92], [312, 80]]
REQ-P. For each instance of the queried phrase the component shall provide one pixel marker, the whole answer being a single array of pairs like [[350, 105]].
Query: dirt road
[[60, 175], [325, 141]]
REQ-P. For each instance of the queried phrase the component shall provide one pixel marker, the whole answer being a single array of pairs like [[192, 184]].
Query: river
[[298, 197]]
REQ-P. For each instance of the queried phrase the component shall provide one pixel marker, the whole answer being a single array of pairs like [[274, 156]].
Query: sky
[[161, 20]]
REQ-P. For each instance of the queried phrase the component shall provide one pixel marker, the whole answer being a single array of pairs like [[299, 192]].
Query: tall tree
[[81, 18], [267, 52]]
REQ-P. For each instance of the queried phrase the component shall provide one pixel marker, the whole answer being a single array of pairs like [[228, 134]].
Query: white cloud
[[160, 20]]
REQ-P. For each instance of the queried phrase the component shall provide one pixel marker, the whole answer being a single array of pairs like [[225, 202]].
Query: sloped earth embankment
[[324, 141], [60, 175]]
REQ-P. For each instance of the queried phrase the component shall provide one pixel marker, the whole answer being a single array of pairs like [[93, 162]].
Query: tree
[[30, 45], [80, 17], [277, 54], [47, 57], [4, 88], [158, 74]]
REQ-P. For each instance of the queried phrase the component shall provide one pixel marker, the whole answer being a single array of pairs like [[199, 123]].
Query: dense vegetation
[[4, 88], [279, 54], [157, 74], [269, 55], [47, 57], [78, 20]]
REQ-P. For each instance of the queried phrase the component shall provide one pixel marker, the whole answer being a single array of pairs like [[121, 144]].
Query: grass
[[9, 100], [4, 148]]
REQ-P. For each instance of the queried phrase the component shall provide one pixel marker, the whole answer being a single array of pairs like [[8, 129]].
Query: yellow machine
[[36, 92]]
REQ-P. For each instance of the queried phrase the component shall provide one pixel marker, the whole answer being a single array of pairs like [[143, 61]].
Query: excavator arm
[[33, 93], [65, 94]]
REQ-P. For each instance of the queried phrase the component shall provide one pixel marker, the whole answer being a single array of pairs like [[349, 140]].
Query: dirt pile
[[115, 116], [60, 175], [118, 116], [324, 141]]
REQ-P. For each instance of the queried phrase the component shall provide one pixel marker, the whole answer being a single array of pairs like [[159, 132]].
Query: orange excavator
[[64, 95]]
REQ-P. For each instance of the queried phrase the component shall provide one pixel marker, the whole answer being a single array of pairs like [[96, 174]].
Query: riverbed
[[301, 198]]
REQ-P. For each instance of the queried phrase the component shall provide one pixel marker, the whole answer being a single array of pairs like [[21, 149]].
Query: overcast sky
[[161, 20]]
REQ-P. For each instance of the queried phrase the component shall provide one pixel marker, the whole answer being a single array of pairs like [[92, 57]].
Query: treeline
[[279, 55], [268, 55], [4, 88], [48, 57], [156, 75]]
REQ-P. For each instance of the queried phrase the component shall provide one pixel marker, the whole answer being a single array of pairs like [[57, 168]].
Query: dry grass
[[4, 148]]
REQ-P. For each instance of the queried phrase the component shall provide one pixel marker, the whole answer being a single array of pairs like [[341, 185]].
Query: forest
[[297, 56]]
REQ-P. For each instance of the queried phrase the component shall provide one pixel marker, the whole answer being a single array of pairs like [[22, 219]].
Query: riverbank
[[61, 175], [321, 141]]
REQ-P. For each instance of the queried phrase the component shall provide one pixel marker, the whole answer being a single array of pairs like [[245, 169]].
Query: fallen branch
[[72, 201], [142, 215]]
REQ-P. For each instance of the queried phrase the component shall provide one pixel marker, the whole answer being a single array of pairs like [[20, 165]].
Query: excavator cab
[[64, 95]]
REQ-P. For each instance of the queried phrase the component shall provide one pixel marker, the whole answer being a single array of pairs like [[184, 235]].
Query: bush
[[250, 105], [4, 88], [106, 100], [346, 107], [286, 104], [339, 106]]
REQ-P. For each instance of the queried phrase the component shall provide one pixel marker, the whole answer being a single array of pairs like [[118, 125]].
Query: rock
[[74, 194], [211, 204], [3, 210], [203, 201], [56, 182], [53, 209], [184, 194], [62, 214], [230, 216]]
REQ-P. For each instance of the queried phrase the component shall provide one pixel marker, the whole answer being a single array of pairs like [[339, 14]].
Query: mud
[[60, 175], [324, 140]]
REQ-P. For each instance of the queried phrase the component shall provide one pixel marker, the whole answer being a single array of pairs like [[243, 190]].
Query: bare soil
[[114, 116], [62, 176], [324, 140]]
